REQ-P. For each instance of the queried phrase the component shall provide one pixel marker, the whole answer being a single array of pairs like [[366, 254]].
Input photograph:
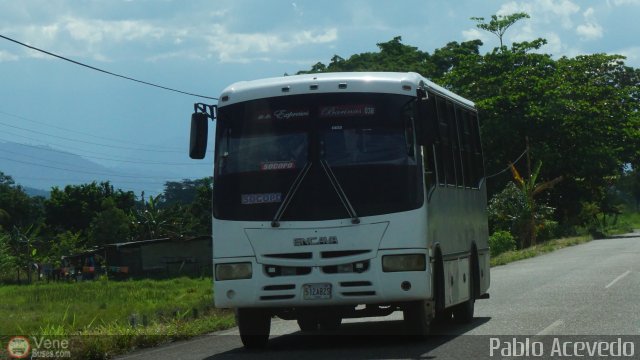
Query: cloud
[[83, 37], [546, 11], [632, 54], [622, 2], [473, 34], [246, 47], [297, 9], [590, 30], [7, 56], [95, 31]]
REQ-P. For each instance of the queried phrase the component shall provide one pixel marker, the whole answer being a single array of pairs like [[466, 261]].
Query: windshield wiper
[[341, 194], [290, 193]]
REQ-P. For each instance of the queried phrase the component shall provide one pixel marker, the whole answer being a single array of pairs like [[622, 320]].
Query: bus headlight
[[404, 262], [233, 271]]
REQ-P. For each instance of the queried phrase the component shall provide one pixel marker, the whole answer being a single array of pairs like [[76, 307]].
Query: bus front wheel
[[308, 322], [418, 318], [254, 325], [330, 322]]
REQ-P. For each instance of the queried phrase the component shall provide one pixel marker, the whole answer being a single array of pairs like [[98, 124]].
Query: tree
[[17, 208], [393, 56], [580, 114], [629, 184], [8, 261], [74, 208], [152, 222], [499, 23], [593, 99], [200, 208], [448, 57], [181, 192], [23, 248], [110, 225], [65, 244]]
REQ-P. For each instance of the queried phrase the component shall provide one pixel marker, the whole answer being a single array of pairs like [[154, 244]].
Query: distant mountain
[[36, 192], [40, 168]]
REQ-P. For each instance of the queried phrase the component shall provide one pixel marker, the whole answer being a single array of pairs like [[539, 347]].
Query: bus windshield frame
[[367, 140]]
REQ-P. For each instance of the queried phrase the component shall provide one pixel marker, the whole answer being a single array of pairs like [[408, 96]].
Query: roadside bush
[[501, 241], [548, 230]]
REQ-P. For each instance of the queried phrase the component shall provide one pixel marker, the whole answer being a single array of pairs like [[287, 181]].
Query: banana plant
[[530, 188]]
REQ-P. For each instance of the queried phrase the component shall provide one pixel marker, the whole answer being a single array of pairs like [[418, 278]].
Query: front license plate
[[316, 291]]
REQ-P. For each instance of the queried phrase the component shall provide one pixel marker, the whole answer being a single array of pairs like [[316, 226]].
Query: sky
[[201, 47]]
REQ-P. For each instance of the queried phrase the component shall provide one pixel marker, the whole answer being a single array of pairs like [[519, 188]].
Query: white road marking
[[618, 278], [548, 329]]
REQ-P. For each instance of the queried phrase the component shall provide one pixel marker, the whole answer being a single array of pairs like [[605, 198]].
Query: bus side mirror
[[199, 133]]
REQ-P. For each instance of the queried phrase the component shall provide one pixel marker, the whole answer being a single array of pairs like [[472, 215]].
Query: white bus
[[342, 195]]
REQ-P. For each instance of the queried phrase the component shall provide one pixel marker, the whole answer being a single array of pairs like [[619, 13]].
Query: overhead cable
[[104, 71], [508, 167]]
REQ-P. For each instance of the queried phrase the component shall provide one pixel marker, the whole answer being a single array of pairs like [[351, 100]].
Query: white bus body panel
[[439, 223], [456, 220], [399, 233]]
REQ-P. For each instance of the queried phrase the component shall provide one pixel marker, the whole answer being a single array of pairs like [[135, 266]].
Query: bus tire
[[442, 314], [254, 325], [463, 313], [330, 322], [418, 318], [308, 322]]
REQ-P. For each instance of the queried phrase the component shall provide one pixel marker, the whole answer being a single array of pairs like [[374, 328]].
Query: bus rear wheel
[[254, 325]]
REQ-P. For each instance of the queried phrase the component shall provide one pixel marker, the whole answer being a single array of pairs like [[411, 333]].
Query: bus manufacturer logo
[[315, 240]]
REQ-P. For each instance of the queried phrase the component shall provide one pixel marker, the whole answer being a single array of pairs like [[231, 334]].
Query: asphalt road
[[591, 291]]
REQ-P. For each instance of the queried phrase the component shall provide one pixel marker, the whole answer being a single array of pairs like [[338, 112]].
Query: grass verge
[[104, 318], [551, 245]]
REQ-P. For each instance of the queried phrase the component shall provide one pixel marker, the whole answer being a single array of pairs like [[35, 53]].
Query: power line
[[508, 167], [126, 160], [85, 142], [81, 171], [67, 150], [76, 131], [150, 182], [67, 164], [173, 150], [104, 71]]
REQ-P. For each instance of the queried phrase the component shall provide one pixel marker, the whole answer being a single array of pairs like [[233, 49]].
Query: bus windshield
[[366, 139]]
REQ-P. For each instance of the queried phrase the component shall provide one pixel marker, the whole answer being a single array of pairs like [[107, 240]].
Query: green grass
[[626, 222], [549, 246], [140, 313]]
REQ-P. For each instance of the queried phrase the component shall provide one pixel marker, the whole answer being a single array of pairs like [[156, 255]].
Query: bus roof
[[377, 82]]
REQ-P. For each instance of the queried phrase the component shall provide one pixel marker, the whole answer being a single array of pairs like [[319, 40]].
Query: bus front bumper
[[283, 287]]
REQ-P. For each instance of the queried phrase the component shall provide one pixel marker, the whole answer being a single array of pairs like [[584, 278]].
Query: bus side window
[[456, 179], [428, 117], [476, 148], [465, 148], [443, 152], [462, 171]]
